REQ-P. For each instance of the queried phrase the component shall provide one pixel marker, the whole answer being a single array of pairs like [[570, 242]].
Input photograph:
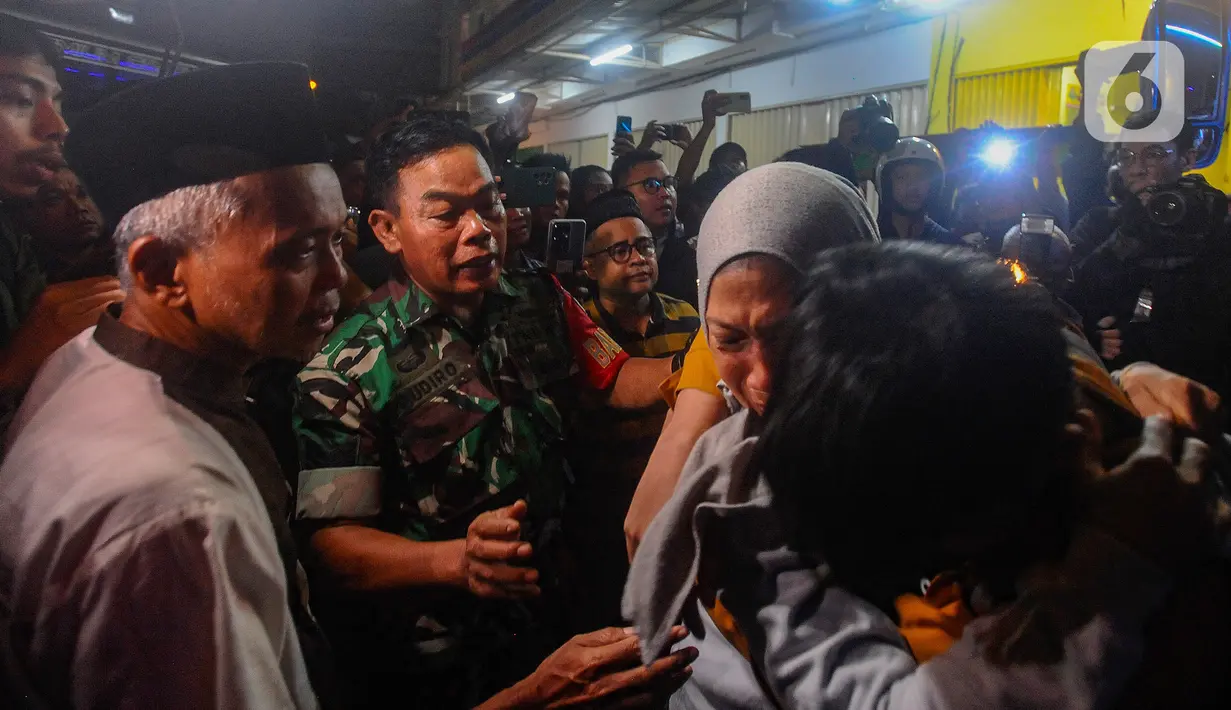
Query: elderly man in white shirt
[[145, 554]]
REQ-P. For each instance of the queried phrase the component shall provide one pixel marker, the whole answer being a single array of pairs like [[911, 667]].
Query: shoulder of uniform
[[347, 350]]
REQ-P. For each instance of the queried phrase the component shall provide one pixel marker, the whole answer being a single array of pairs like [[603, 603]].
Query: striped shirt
[[672, 323]]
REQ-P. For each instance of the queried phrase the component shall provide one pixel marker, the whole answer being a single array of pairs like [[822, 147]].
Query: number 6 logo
[[1122, 80]]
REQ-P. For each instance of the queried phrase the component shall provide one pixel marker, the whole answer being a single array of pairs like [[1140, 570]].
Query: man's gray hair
[[188, 218]]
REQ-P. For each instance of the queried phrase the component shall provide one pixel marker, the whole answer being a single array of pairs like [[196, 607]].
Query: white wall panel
[[896, 57], [595, 151]]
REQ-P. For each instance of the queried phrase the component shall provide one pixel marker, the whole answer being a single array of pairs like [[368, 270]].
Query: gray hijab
[[787, 210]]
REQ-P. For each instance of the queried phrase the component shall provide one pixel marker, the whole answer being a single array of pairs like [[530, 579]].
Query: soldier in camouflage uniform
[[34, 319], [430, 430]]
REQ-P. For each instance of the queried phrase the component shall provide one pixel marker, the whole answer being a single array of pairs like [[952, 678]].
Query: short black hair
[[409, 143], [583, 175], [548, 160], [625, 164], [1186, 141], [926, 403], [610, 205], [19, 38], [709, 183], [728, 153]]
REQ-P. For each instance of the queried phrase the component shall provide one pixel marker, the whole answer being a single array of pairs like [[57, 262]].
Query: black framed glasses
[[1152, 155], [620, 253], [652, 184]]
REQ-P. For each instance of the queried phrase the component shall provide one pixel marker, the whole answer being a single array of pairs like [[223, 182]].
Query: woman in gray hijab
[[759, 235], [770, 631]]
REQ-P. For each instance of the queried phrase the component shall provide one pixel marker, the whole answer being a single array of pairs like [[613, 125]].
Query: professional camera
[[1190, 206], [1042, 250], [876, 126]]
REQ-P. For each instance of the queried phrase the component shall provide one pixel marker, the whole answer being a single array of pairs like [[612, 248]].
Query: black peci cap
[[198, 128], [610, 205]]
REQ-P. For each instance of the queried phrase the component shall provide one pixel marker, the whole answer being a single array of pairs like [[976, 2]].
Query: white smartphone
[[737, 102]]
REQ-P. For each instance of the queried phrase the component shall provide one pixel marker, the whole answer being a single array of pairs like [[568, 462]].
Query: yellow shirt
[[699, 372]]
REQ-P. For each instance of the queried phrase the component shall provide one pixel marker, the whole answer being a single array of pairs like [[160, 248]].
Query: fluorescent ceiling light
[[124, 18], [506, 98], [1194, 34], [608, 56]]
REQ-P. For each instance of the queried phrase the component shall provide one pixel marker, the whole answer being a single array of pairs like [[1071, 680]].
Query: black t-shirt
[[832, 156]]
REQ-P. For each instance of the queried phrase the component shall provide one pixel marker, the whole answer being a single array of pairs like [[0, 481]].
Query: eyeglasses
[[653, 185], [620, 253], [1153, 156]]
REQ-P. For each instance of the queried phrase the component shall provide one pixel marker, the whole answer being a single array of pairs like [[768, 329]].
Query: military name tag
[[432, 380]]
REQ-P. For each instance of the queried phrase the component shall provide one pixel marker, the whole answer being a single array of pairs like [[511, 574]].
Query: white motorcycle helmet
[[911, 148]]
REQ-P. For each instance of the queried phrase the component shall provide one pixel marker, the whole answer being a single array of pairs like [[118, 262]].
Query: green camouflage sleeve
[[335, 424]]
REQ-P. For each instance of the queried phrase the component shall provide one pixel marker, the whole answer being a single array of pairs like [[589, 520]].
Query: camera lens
[[1167, 209], [882, 133]]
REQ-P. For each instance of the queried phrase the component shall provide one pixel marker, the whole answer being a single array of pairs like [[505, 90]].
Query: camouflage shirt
[[414, 423]]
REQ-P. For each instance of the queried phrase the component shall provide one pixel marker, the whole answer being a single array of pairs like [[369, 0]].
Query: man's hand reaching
[[496, 562]]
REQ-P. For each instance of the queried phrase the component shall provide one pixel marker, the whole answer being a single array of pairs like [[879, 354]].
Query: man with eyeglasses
[[645, 175], [1158, 288], [621, 258], [614, 446]]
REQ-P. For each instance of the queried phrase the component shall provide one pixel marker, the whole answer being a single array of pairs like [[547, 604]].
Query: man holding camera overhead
[[864, 133], [1159, 288]]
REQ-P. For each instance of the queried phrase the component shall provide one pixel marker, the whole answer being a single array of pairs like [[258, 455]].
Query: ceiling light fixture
[[608, 56], [124, 18], [505, 98]]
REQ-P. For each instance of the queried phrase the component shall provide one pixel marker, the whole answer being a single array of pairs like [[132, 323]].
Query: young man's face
[[517, 227], [1146, 165], [599, 183], [448, 225], [912, 184], [657, 200], [628, 271], [31, 129], [544, 214], [269, 283]]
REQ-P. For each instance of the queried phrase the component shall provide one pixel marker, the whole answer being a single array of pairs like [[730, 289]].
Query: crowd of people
[[294, 422]]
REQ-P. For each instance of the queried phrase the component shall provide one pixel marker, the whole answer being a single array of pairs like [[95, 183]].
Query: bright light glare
[[999, 153], [1194, 34], [312, 84], [505, 98], [608, 56]]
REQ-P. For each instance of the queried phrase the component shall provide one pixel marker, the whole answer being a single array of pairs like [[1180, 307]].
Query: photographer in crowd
[[864, 133], [1159, 287]]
